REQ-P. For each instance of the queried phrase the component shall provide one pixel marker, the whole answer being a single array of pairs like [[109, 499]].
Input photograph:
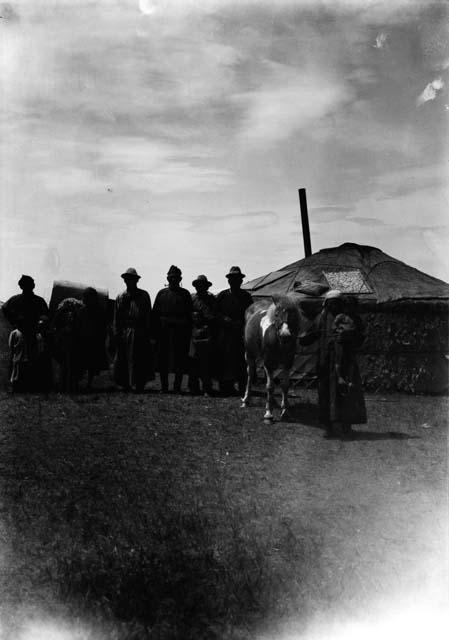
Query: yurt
[[404, 311]]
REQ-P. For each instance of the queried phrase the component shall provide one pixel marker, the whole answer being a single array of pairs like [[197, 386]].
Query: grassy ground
[[173, 517]]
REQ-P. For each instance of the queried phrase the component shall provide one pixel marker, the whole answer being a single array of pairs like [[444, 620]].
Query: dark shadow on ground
[[304, 413], [386, 435], [307, 414]]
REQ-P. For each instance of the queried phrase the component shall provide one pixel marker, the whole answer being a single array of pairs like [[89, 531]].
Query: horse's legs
[[285, 384], [250, 370], [270, 394]]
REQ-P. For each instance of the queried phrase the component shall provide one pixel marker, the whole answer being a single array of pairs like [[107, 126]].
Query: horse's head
[[285, 316]]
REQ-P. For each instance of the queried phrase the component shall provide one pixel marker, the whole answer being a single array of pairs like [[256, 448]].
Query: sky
[[145, 133]]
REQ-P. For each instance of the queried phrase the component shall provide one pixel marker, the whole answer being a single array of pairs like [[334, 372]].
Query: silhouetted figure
[[93, 330], [347, 406], [340, 393], [172, 329], [231, 306], [204, 337], [344, 333], [133, 365], [66, 343], [24, 312]]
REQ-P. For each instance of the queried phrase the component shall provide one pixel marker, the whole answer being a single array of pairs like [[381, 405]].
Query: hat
[[130, 273], [174, 271], [25, 279], [332, 294], [235, 271], [202, 279]]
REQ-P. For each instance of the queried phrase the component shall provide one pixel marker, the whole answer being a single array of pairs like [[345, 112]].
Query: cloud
[[367, 222], [326, 214], [381, 40], [431, 91], [234, 222], [333, 208], [149, 7], [7, 13], [434, 36], [287, 100], [187, 110], [159, 167], [409, 179]]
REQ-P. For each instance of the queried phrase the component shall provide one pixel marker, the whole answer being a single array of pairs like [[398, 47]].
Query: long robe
[[334, 406], [203, 345], [133, 364], [172, 314], [24, 311], [93, 330], [206, 306], [231, 307], [66, 343]]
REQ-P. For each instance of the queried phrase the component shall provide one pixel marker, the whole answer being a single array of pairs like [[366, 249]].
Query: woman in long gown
[[340, 405]]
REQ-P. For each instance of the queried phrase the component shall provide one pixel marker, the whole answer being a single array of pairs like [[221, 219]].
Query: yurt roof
[[357, 269]]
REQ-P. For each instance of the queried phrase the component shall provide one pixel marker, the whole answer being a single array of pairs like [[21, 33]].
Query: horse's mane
[[258, 305], [284, 302]]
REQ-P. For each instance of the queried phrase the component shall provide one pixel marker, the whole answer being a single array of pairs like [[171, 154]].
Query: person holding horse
[[340, 394], [231, 306], [348, 390], [172, 316]]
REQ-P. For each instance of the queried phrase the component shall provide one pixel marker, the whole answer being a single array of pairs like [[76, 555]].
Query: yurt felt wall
[[405, 349]]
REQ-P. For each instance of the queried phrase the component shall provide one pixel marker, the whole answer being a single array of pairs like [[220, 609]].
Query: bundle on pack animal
[[271, 335]]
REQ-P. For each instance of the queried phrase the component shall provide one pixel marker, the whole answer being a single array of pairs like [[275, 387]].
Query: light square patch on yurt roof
[[347, 281]]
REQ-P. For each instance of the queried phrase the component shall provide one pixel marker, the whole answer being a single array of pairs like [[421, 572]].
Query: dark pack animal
[[271, 332]]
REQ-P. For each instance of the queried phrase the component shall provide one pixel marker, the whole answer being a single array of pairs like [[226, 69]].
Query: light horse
[[271, 332]]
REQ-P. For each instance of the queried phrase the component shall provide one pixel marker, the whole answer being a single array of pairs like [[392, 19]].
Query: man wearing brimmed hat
[[24, 312], [202, 348], [133, 365], [231, 306], [173, 326]]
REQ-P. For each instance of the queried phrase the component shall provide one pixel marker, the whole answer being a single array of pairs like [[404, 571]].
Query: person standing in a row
[[132, 332], [204, 334], [24, 311], [172, 316], [231, 306], [93, 330]]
